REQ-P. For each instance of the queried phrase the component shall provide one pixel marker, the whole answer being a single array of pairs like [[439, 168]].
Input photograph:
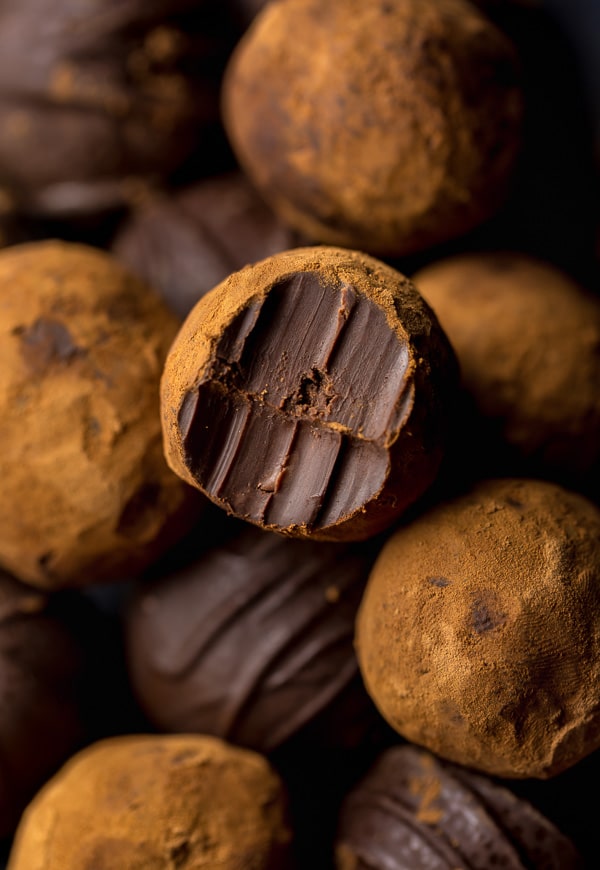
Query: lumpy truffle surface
[[149, 802], [87, 495], [478, 635], [383, 126]]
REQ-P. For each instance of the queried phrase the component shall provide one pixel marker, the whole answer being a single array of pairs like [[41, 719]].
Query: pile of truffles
[[299, 440]]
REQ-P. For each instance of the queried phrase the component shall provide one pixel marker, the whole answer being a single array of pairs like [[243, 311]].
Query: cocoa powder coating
[[384, 126], [528, 341], [86, 493], [150, 802], [479, 633], [310, 394]]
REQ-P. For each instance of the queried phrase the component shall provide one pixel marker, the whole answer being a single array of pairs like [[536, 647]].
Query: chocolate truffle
[[384, 126], [413, 811], [251, 642], [86, 492], [185, 244], [110, 98], [150, 802], [478, 636], [528, 341], [309, 393], [41, 674]]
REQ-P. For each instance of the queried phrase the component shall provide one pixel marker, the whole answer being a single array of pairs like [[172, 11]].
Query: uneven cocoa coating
[[387, 126], [309, 394], [251, 642], [41, 678], [86, 493], [148, 802], [187, 243], [413, 811], [108, 100], [478, 636], [528, 341]]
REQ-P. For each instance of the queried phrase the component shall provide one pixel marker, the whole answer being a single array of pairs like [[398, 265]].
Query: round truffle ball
[[185, 244], [387, 126], [86, 492], [42, 669], [413, 810], [527, 337], [150, 802], [109, 99], [310, 394], [478, 636], [253, 642]]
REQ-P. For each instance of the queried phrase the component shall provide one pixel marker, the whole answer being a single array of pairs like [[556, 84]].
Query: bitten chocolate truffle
[[86, 492], [383, 126], [109, 99], [250, 643], [309, 394], [41, 675], [151, 802], [478, 636], [527, 337], [185, 244], [413, 811]]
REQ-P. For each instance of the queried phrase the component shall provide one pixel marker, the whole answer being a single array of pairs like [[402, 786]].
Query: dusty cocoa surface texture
[[147, 802], [384, 126], [479, 633], [87, 495]]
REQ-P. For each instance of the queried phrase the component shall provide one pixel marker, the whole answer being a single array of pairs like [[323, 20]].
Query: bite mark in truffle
[[312, 381]]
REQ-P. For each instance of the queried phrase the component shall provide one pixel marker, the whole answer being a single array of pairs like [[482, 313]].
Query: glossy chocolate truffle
[[251, 642], [309, 394], [41, 676], [150, 802], [185, 244], [384, 126], [478, 636], [86, 492], [413, 811], [100, 99], [528, 341]]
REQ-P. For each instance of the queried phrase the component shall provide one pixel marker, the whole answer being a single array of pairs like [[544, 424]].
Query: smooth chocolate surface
[[296, 394], [185, 244], [413, 812], [252, 642], [41, 721]]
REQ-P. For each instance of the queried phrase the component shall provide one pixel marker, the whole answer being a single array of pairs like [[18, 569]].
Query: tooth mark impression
[[290, 426]]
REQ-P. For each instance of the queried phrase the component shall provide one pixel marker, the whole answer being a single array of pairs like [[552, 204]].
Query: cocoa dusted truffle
[[86, 492], [185, 244], [388, 126], [527, 337], [106, 99], [41, 675], [252, 642], [309, 394], [478, 636], [150, 802], [412, 810]]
